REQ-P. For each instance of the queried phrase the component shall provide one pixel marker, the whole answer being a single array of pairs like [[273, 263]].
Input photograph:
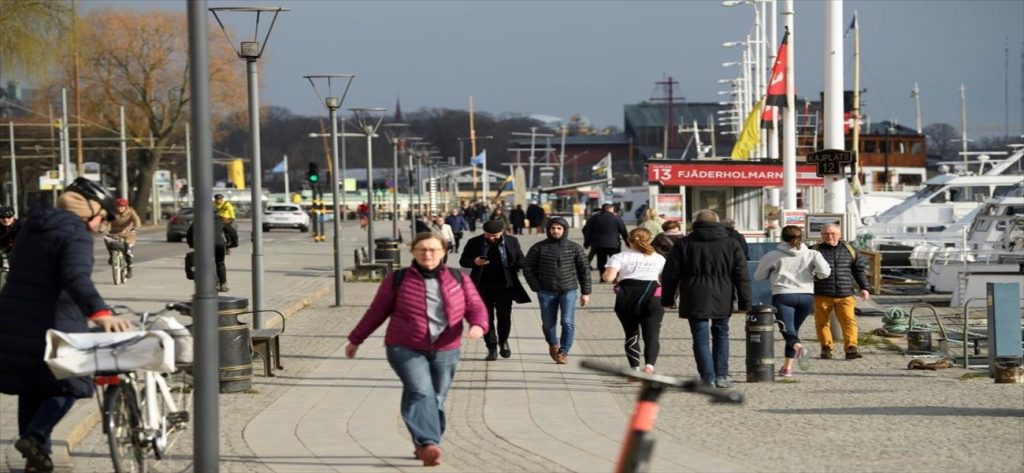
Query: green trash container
[[387, 251], [235, 348]]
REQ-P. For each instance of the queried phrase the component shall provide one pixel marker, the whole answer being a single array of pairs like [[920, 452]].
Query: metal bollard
[[760, 330]]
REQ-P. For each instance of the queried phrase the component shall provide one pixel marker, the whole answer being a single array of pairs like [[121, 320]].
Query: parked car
[[285, 216], [177, 225]]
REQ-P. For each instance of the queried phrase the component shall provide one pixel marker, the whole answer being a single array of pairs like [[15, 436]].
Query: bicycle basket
[[115, 244], [83, 354]]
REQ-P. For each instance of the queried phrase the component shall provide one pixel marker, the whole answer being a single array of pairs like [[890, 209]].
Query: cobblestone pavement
[[327, 413]]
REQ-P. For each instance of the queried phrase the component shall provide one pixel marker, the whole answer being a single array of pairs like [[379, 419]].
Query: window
[[916, 147], [870, 146]]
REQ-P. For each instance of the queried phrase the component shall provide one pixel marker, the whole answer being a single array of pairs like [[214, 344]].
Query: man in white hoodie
[[792, 268]]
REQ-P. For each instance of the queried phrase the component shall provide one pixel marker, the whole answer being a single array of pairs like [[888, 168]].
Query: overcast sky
[[560, 58]]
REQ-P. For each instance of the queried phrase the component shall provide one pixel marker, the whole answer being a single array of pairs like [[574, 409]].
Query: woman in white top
[[792, 269], [638, 303], [441, 228]]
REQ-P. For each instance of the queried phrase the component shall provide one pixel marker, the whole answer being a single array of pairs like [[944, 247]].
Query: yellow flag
[[750, 135]]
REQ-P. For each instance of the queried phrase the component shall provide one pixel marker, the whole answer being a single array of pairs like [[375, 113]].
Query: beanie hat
[[77, 204], [494, 226]]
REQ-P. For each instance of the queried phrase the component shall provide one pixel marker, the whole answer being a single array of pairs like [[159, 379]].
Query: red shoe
[[430, 454]]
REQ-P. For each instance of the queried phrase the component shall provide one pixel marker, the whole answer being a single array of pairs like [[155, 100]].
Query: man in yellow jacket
[[226, 213]]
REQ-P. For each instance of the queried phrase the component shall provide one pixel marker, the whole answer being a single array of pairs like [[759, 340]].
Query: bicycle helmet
[[121, 202], [95, 192], [6, 212]]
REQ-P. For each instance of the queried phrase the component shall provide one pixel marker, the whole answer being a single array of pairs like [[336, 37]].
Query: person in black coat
[[535, 214], [730, 226], [605, 232], [220, 241], [706, 268], [51, 288], [496, 259], [517, 218]]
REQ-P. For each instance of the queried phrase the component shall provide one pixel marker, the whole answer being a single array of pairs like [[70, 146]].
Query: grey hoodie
[[792, 270]]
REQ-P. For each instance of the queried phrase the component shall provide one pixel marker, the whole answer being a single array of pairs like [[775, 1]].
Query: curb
[[81, 419]]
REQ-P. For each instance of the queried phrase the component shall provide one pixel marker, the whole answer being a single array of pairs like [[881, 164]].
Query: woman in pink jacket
[[427, 304]]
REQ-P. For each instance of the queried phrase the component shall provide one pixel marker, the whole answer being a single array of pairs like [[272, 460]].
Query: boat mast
[[963, 123], [916, 94]]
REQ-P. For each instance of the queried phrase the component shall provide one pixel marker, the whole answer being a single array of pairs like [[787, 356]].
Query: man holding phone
[[495, 259]]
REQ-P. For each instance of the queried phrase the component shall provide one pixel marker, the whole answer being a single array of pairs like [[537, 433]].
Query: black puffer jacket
[[706, 267], [849, 273], [50, 287], [603, 230], [557, 265]]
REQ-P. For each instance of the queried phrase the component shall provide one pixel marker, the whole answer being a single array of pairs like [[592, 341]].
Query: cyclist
[[124, 224], [51, 288], [226, 212]]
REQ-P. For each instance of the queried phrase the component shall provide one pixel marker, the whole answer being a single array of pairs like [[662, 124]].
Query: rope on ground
[[897, 320]]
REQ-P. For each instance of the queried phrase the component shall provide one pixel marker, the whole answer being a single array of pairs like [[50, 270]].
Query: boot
[[505, 350], [492, 354]]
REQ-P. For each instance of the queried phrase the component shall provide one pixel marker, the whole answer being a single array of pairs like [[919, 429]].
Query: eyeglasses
[[428, 250]]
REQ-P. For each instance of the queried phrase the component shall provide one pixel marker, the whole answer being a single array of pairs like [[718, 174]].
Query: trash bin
[[386, 249], [760, 329], [235, 349]]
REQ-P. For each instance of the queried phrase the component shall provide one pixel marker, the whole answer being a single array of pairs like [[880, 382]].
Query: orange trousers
[[823, 306]]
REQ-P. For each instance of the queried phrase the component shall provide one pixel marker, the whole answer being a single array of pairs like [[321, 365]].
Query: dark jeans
[[499, 306], [222, 269], [711, 347], [231, 235], [602, 257], [426, 377], [792, 310], [38, 415], [458, 238]]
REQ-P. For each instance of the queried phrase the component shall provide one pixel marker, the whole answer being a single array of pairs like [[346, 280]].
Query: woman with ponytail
[[638, 303], [792, 268]]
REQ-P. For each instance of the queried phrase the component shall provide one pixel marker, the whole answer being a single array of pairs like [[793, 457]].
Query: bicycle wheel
[[174, 415], [124, 427], [118, 266]]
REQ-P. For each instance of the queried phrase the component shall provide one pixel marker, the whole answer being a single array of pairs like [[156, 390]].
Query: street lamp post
[[251, 51], [395, 134], [333, 102], [369, 120]]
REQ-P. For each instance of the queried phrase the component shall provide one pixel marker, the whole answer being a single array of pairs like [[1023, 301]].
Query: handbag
[[83, 354]]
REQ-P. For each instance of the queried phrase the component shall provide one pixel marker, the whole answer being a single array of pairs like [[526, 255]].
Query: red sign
[[728, 175]]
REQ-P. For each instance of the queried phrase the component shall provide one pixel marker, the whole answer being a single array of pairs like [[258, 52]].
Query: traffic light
[[313, 174]]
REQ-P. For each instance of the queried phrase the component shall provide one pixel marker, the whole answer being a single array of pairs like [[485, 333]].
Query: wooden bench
[[266, 344], [365, 269]]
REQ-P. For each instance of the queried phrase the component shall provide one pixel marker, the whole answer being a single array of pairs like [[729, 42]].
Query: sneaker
[[492, 354], [222, 288], [826, 353], [430, 454], [724, 382], [553, 351], [649, 369], [802, 358], [852, 353], [562, 358], [632, 379], [786, 372], [34, 453]]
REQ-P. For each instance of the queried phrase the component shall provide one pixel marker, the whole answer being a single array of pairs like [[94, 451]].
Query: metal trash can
[[386, 249], [235, 348], [760, 329]]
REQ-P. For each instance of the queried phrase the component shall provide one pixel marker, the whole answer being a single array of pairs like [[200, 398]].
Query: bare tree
[[29, 31], [942, 141]]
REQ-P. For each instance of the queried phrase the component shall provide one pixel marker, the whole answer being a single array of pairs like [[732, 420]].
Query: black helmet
[[6, 212], [95, 192]]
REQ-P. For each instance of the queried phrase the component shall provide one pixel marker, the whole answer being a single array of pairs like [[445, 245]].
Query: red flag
[[777, 85]]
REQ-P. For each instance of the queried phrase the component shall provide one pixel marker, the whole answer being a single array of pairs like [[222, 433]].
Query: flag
[[853, 25], [506, 185], [777, 85], [480, 159], [280, 168], [750, 135], [600, 170]]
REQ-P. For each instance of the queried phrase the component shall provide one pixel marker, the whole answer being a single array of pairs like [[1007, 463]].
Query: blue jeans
[[426, 377], [792, 310], [711, 352], [39, 415], [550, 302]]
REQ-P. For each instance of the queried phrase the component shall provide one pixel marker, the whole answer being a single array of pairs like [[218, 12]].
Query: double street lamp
[[333, 103], [368, 120], [250, 51], [395, 134]]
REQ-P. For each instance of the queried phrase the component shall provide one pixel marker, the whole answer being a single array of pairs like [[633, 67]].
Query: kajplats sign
[[728, 175]]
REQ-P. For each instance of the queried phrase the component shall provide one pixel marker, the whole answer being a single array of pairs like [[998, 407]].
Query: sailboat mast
[[963, 122], [855, 141]]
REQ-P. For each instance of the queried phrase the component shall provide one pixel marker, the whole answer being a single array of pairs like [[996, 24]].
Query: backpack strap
[[852, 250], [396, 281]]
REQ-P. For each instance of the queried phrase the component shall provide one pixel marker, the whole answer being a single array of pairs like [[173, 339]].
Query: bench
[[266, 344], [367, 270]]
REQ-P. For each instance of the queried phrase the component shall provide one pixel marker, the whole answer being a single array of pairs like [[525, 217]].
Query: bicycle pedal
[[178, 418]]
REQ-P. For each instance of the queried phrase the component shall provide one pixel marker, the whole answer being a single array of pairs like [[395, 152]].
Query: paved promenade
[[327, 413]]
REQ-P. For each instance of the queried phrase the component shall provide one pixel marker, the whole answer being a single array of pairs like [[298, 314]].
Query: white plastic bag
[[83, 354], [182, 338]]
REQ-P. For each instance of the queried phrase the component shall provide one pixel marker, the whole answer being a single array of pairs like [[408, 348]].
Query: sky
[[560, 58]]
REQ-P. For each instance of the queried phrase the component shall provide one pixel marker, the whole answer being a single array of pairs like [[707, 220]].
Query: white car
[[285, 216]]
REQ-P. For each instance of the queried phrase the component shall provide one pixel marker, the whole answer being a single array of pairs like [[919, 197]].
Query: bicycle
[[635, 455], [117, 246], [144, 412]]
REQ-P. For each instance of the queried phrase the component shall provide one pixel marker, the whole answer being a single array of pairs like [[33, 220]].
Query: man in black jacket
[[603, 232], [849, 276], [535, 214], [220, 241], [556, 269], [51, 288], [496, 259], [707, 267]]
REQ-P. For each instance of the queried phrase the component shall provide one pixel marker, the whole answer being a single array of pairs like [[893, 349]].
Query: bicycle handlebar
[[146, 315], [687, 385]]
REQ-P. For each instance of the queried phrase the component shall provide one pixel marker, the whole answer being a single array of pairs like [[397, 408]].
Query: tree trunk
[[142, 201]]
